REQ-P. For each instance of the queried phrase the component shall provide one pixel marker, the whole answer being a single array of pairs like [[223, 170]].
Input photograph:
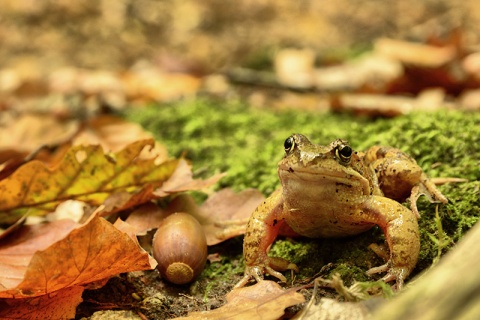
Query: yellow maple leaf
[[86, 173]]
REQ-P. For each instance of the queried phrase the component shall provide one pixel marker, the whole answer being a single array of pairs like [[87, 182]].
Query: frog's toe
[[280, 264], [379, 269], [276, 274], [397, 274], [255, 272]]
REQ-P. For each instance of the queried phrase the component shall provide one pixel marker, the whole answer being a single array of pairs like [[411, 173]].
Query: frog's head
[[336, 162]]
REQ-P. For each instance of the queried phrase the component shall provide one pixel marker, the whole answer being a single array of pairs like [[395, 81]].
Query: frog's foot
[[272, 267], [397, 274], [428, 189]]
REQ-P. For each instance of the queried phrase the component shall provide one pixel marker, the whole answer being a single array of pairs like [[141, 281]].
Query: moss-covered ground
[[247, 143]]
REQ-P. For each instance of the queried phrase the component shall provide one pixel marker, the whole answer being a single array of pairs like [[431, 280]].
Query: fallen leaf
[[13, 227], [146, 217], [94, 251], [470, 100], [226, 213], [148, 83], [17, 250], [70, 209], [223, 215], [294, 68], [61, 304], [390, 105], [27, 132], [415, 53], [85, 174], [330, 309], [182, 180], [114, 134], [263, 301], [372, 71]]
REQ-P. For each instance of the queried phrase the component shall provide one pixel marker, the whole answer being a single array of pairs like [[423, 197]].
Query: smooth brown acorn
[[180, 248]]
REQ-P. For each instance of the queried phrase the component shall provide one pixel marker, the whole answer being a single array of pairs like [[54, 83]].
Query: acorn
[[180, 248]]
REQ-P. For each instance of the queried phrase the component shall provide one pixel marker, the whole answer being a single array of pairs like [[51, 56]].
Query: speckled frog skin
[[333, 191]]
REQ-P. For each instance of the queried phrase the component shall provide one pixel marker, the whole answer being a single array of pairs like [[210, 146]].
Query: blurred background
[[214, 34]]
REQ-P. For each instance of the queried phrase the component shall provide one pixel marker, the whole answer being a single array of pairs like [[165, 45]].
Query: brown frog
[[332, 191]]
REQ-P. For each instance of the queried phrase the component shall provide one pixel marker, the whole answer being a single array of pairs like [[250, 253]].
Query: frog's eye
[[344, 153], [289, 144]]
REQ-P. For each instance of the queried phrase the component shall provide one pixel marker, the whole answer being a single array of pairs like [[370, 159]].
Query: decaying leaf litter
[[72, 100]]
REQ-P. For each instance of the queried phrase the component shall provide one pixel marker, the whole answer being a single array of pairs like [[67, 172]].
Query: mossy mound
[[247, 143]]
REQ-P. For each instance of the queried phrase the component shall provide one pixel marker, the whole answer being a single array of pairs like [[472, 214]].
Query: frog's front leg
[[400, 227], [262, 230]]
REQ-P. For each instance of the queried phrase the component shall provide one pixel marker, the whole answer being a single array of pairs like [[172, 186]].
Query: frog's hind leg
[[400, 227]]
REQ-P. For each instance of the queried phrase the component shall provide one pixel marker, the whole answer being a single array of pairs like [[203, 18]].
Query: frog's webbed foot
[[397, 274], [273, 267], [427, 188]]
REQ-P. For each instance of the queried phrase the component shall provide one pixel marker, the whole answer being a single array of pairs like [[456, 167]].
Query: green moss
[[248, 142], [349, 273]]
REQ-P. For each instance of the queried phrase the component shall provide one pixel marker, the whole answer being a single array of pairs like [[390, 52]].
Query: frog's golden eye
[[289, 144], [344, 152]]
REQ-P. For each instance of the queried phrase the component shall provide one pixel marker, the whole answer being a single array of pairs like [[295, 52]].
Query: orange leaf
[[263, 301], [61, 304], [92, 252], [17, 250]]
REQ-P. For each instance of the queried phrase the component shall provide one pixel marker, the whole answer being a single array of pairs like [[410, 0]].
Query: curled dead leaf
[[263, 301]]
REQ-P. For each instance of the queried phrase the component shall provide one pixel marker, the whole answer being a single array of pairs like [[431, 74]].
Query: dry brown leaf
[[330, 309], [295, 68], [470, 100], [182, 180], [389, 105], [148, 83], [28, 132], [226, 213], [61, 304], [263, 301], [95, 251], [114, 134], [418, 54], [146, 217], [372, 71], [223, 215]]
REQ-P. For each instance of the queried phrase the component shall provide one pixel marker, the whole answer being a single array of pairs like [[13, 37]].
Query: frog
[[333, 191]]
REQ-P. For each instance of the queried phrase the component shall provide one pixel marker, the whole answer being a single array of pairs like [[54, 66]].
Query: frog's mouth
[[347, 176]]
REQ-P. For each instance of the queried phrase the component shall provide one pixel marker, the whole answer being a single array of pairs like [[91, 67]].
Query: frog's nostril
[[291, 170]]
